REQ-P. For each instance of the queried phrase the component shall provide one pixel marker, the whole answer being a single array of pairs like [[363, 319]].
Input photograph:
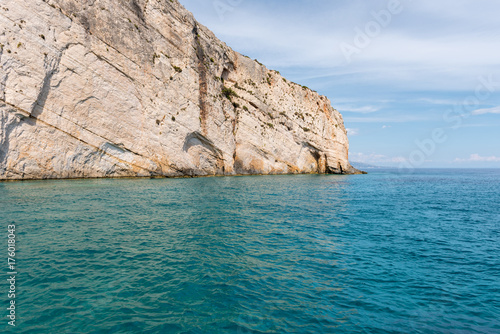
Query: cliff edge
[[139, 88]]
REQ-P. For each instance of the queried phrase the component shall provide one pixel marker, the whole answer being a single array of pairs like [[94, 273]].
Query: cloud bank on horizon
[[418, 82]]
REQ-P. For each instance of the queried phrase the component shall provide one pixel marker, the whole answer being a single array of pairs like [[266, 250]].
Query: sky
[[417, 82]]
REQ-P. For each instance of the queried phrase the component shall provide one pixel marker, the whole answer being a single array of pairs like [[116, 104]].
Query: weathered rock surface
[[104, 88]]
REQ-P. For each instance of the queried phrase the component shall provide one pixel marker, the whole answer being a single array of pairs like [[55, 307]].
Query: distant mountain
[[362, 165]]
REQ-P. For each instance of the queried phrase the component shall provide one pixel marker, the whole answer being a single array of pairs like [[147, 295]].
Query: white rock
[[113, 89]]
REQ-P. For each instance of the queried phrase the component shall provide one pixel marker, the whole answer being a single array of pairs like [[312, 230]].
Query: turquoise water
[[377, 253]]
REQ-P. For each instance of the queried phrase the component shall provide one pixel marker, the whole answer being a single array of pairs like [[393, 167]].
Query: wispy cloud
[[494, 110], [438, 101], [478, 158], [387, 119], [352, 132], [406, 53], [374, 158], [362, 110], [474, 126]]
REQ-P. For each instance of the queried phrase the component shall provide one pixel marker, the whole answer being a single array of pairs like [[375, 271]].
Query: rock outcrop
[[122, 88]]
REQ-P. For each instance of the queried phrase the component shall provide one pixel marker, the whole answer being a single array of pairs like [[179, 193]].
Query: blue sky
[[417, 82]]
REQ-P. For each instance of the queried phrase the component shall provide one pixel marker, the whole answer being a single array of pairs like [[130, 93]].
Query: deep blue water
[[377, 253]]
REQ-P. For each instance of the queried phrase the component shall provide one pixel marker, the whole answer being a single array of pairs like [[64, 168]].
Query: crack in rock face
[[51, 67], [139, 88]]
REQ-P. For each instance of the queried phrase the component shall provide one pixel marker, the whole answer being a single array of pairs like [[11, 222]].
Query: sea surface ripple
[[379, 253]]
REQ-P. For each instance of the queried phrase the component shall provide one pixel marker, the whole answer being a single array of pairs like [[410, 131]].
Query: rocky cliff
[[104, 88]]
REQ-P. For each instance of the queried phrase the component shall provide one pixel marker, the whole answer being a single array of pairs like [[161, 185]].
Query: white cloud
[[386, 126], [474, 126], [494, 110], [352, 132], [373, 158], [439, 101], [478, 158], [404, 118], [362, 110], [447, 53]]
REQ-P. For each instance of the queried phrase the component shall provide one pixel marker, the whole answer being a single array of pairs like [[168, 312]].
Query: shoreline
[[358, 172]]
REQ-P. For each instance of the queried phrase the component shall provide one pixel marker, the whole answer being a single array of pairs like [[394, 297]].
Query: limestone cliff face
[[115, 88]]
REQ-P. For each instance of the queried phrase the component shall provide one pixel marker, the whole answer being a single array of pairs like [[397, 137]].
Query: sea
[[387, 252]]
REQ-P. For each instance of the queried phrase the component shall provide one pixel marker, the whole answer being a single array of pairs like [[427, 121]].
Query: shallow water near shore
[[377, 253]]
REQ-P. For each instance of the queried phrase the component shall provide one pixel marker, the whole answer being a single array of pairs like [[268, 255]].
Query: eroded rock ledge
[[139, 88]]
